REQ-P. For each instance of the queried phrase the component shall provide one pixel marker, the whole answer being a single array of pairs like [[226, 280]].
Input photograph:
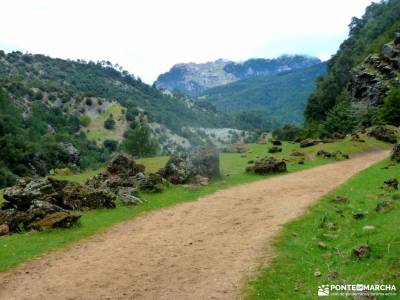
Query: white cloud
[[148, 37]]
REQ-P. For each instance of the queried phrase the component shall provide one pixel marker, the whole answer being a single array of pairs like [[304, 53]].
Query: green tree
[[340, 118], [390, 112], [140, 143]]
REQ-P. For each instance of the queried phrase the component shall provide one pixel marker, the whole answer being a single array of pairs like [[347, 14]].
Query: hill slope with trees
[[279, 98], [362, 85]]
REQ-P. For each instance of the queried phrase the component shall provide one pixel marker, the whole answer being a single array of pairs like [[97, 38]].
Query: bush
[[288, 133], [110, 145], [109, 124], [390, 112], [84, 120]]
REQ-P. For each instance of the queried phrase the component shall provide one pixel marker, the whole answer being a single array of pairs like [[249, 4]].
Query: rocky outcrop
[[181, 169], [39, 204], [64, 194], [367, 89], [371, 82], [384, 134], [267, 166], [391, 53], [123, 177], [68, 154]]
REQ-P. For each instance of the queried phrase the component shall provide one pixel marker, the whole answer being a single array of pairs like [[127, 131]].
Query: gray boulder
[[267, 165], [384, 134]]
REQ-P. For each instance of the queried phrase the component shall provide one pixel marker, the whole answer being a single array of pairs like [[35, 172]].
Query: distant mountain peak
[[194, 78]]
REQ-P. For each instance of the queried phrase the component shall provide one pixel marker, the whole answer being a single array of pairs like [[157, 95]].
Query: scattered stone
[[331, 226], [4, 230], [317, 274], [296, 153], [358, 215], [327, 255], [361, 251], [396, 153], [267, 166], [369, 228], [322, 245], [276, 143], [384, 206], [356, 138], [338, 136], [324, 153], [261, 142], [332, 275], [384, 134], [392, 183], [309, 142], [275, 149], [341, 199]]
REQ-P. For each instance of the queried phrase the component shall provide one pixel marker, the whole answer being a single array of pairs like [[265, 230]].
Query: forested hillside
[[362, 85], [56, 113], [277, 98]]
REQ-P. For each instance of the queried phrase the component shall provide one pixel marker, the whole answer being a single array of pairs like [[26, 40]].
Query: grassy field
[[19, 248], [96, 131], [292, 273]]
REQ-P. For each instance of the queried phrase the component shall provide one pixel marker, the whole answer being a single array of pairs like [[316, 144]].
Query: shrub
[[139, 142], [110, 145], [84, 120], [109, 124]]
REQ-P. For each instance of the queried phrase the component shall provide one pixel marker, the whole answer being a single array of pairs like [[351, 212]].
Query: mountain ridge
[[194, 78]]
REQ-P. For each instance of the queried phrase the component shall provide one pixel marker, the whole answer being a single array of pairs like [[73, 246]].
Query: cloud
[[148, 37]]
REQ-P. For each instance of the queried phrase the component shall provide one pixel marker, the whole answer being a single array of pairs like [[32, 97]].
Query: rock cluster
[[124, 177], [396, 153], [337, 154], [384, 134], [370, 83], [38, 204], [267, 166], [275, 149], [183, 168], [309, 142]]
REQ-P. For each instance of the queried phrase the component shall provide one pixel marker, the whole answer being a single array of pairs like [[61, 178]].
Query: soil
[[199, 250]]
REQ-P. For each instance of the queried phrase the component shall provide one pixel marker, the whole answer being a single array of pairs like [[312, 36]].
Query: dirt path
[[198, 250]]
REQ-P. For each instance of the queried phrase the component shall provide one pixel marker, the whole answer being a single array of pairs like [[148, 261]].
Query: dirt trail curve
[[198, 250]]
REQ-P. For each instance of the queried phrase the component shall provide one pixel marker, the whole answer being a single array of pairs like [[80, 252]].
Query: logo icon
[[323, 290]]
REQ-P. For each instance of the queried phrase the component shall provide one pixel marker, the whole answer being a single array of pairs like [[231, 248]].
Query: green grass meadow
[[291, 274], [18, 248]]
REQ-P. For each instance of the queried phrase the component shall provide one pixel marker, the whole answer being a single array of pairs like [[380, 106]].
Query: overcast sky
[[147, 37]]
